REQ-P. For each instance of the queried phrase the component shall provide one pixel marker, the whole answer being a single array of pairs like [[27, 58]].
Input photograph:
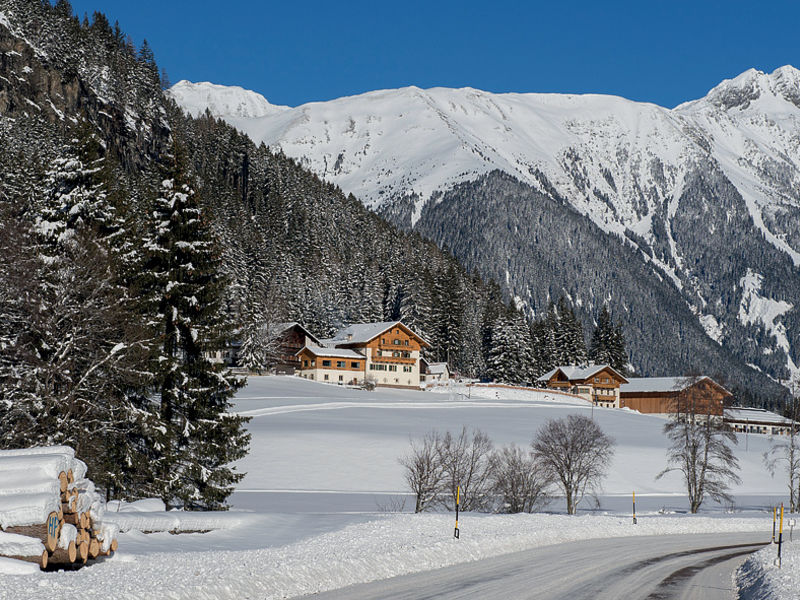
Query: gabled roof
[[437, 368], [662, 384], [278, 328], [573, 372], [362, 333], [330, 352]]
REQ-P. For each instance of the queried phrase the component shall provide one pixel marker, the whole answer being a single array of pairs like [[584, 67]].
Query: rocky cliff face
[[41, 79]]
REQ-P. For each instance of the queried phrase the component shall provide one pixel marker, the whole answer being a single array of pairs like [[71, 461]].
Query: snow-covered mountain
[[643, 173], [222, 100]]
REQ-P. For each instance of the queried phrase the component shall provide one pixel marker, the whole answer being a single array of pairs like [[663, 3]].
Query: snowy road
[[652, 567]]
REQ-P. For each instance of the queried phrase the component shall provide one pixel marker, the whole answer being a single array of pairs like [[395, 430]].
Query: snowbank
[[377, 549], [759, 578], [172, 521]]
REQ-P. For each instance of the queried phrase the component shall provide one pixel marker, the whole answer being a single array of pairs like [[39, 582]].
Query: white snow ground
[[324, 459]]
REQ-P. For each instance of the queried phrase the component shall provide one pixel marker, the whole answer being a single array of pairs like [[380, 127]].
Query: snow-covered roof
[[331, 352], [361, 333], [573, 372], [437, 368], [746, 414], [658, 384]]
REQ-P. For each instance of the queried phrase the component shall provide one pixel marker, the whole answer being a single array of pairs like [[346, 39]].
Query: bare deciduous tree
[[788, 451], [518, 482], [466, 463], [574, 452], [423, 470], [700, 445]]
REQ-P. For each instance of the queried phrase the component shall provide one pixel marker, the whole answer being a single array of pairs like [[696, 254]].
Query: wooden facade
[[291, 338], [598, 384], [701, 395]]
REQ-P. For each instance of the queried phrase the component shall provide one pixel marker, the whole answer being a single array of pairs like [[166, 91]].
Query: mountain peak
[[740, 91], [221, 100]]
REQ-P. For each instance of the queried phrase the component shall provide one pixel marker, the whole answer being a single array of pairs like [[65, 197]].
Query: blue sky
[[296, 52]]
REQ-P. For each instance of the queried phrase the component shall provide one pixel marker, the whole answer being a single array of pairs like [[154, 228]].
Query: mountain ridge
[[634, 169]]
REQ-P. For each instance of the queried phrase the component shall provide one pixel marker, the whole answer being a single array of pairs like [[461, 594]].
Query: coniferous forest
[[136, 241]]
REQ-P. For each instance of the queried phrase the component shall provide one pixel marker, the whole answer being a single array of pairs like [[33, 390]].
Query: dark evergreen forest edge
[[135, 240]]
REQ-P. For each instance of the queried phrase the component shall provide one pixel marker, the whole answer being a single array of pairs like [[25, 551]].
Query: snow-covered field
[[314, 511]]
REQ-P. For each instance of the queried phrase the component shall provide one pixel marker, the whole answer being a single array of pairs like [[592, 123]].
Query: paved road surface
[[654, 567]]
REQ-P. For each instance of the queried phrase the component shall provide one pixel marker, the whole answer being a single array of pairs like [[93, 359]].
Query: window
[[396, 342], [393, 367], [355, 365], [341, 364], [406, 369], [396, 354], [383, 340], [405, 342], [305, 363], [326, 363], [313, 363], [326, 378], [406, 354], [311, 376], [341, 377]]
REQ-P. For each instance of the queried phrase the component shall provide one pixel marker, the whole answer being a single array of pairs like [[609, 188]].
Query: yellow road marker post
[[457, 533]]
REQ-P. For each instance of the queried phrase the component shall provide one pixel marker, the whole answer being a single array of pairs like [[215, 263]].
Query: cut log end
[[83, 552], [63, 556], [63, 480], [94, 548]]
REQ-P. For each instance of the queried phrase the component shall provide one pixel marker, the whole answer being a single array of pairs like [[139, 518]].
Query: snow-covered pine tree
[[182, 282], [619, 355], [510, 358], [570, 346], [608, 343], [602, 338], [75, 374]]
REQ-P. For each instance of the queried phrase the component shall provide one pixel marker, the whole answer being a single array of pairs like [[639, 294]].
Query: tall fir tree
[[201, 438], [608, 343]]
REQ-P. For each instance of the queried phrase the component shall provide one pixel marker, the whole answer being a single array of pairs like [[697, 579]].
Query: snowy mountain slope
[[687, 186], [221, 100], [395, 142]]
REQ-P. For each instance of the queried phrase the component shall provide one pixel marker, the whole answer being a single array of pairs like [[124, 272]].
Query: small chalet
[[743, 419], [437, 372], [659, 394], [598, 384], [386, 353]]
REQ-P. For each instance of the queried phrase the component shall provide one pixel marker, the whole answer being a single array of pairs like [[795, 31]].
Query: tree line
[[520, 351]]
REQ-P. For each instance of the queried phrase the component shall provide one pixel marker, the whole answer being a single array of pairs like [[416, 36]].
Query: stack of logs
[[70, 535]]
